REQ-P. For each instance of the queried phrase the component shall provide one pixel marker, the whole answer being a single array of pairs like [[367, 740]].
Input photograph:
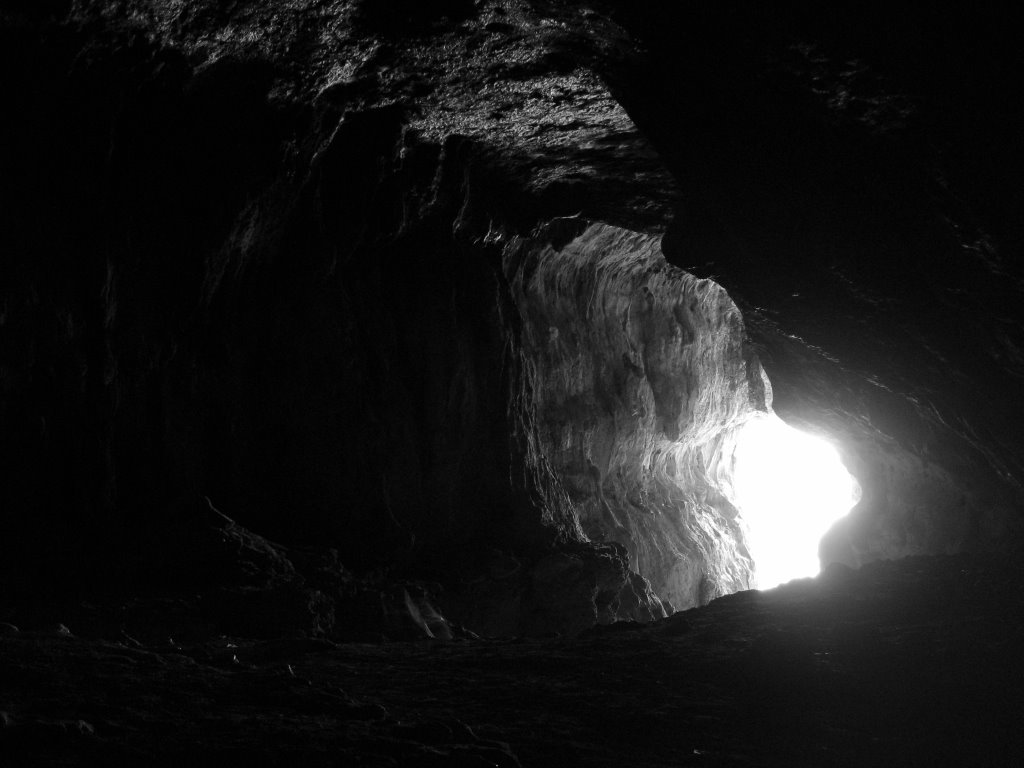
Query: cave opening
[[790, 487]]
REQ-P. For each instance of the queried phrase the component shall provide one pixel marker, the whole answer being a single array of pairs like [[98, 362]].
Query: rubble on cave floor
[[912, 662]]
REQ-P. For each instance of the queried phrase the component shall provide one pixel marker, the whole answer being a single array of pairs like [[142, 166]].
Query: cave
[[510, 383]]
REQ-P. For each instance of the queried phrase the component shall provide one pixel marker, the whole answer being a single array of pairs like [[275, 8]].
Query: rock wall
[[290, 256], [227, 281], [640, 371], [847, 174]]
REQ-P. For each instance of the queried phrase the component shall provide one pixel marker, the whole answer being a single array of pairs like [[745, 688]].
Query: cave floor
[[915, 662]]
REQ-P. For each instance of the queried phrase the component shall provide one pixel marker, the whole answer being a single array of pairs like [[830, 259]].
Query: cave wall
[[847, 174], [227, 282], [305, 259], [216, 294], [640, 372]]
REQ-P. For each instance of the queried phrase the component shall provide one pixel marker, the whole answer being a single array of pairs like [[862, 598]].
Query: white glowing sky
[[790, 487]]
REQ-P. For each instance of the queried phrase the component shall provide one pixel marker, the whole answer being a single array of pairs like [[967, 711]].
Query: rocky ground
[[913, 662]]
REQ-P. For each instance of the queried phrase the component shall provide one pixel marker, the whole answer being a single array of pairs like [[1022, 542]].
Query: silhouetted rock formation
[[452, 309], [327, 323]]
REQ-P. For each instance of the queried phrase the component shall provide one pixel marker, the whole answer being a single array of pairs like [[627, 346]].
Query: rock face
[[639, 371], [852, 189], [327, 264], [253, 266]]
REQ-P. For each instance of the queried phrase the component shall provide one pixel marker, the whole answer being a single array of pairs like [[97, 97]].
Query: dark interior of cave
[[374, 377]]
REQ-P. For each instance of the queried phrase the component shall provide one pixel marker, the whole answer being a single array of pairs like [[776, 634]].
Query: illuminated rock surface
[[640, 370]]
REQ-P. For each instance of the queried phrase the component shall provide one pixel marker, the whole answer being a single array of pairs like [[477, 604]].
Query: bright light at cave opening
[[790, 487]]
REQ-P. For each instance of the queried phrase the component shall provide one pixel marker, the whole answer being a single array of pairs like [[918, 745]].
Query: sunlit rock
[[639, 369]]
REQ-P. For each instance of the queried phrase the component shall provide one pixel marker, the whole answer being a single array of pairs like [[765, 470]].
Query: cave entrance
[[790, 487]]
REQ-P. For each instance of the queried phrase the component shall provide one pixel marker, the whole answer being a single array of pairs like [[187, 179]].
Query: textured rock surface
[[258, 252], [330, 265], [640, 372], [249, 263], [849, 176]]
